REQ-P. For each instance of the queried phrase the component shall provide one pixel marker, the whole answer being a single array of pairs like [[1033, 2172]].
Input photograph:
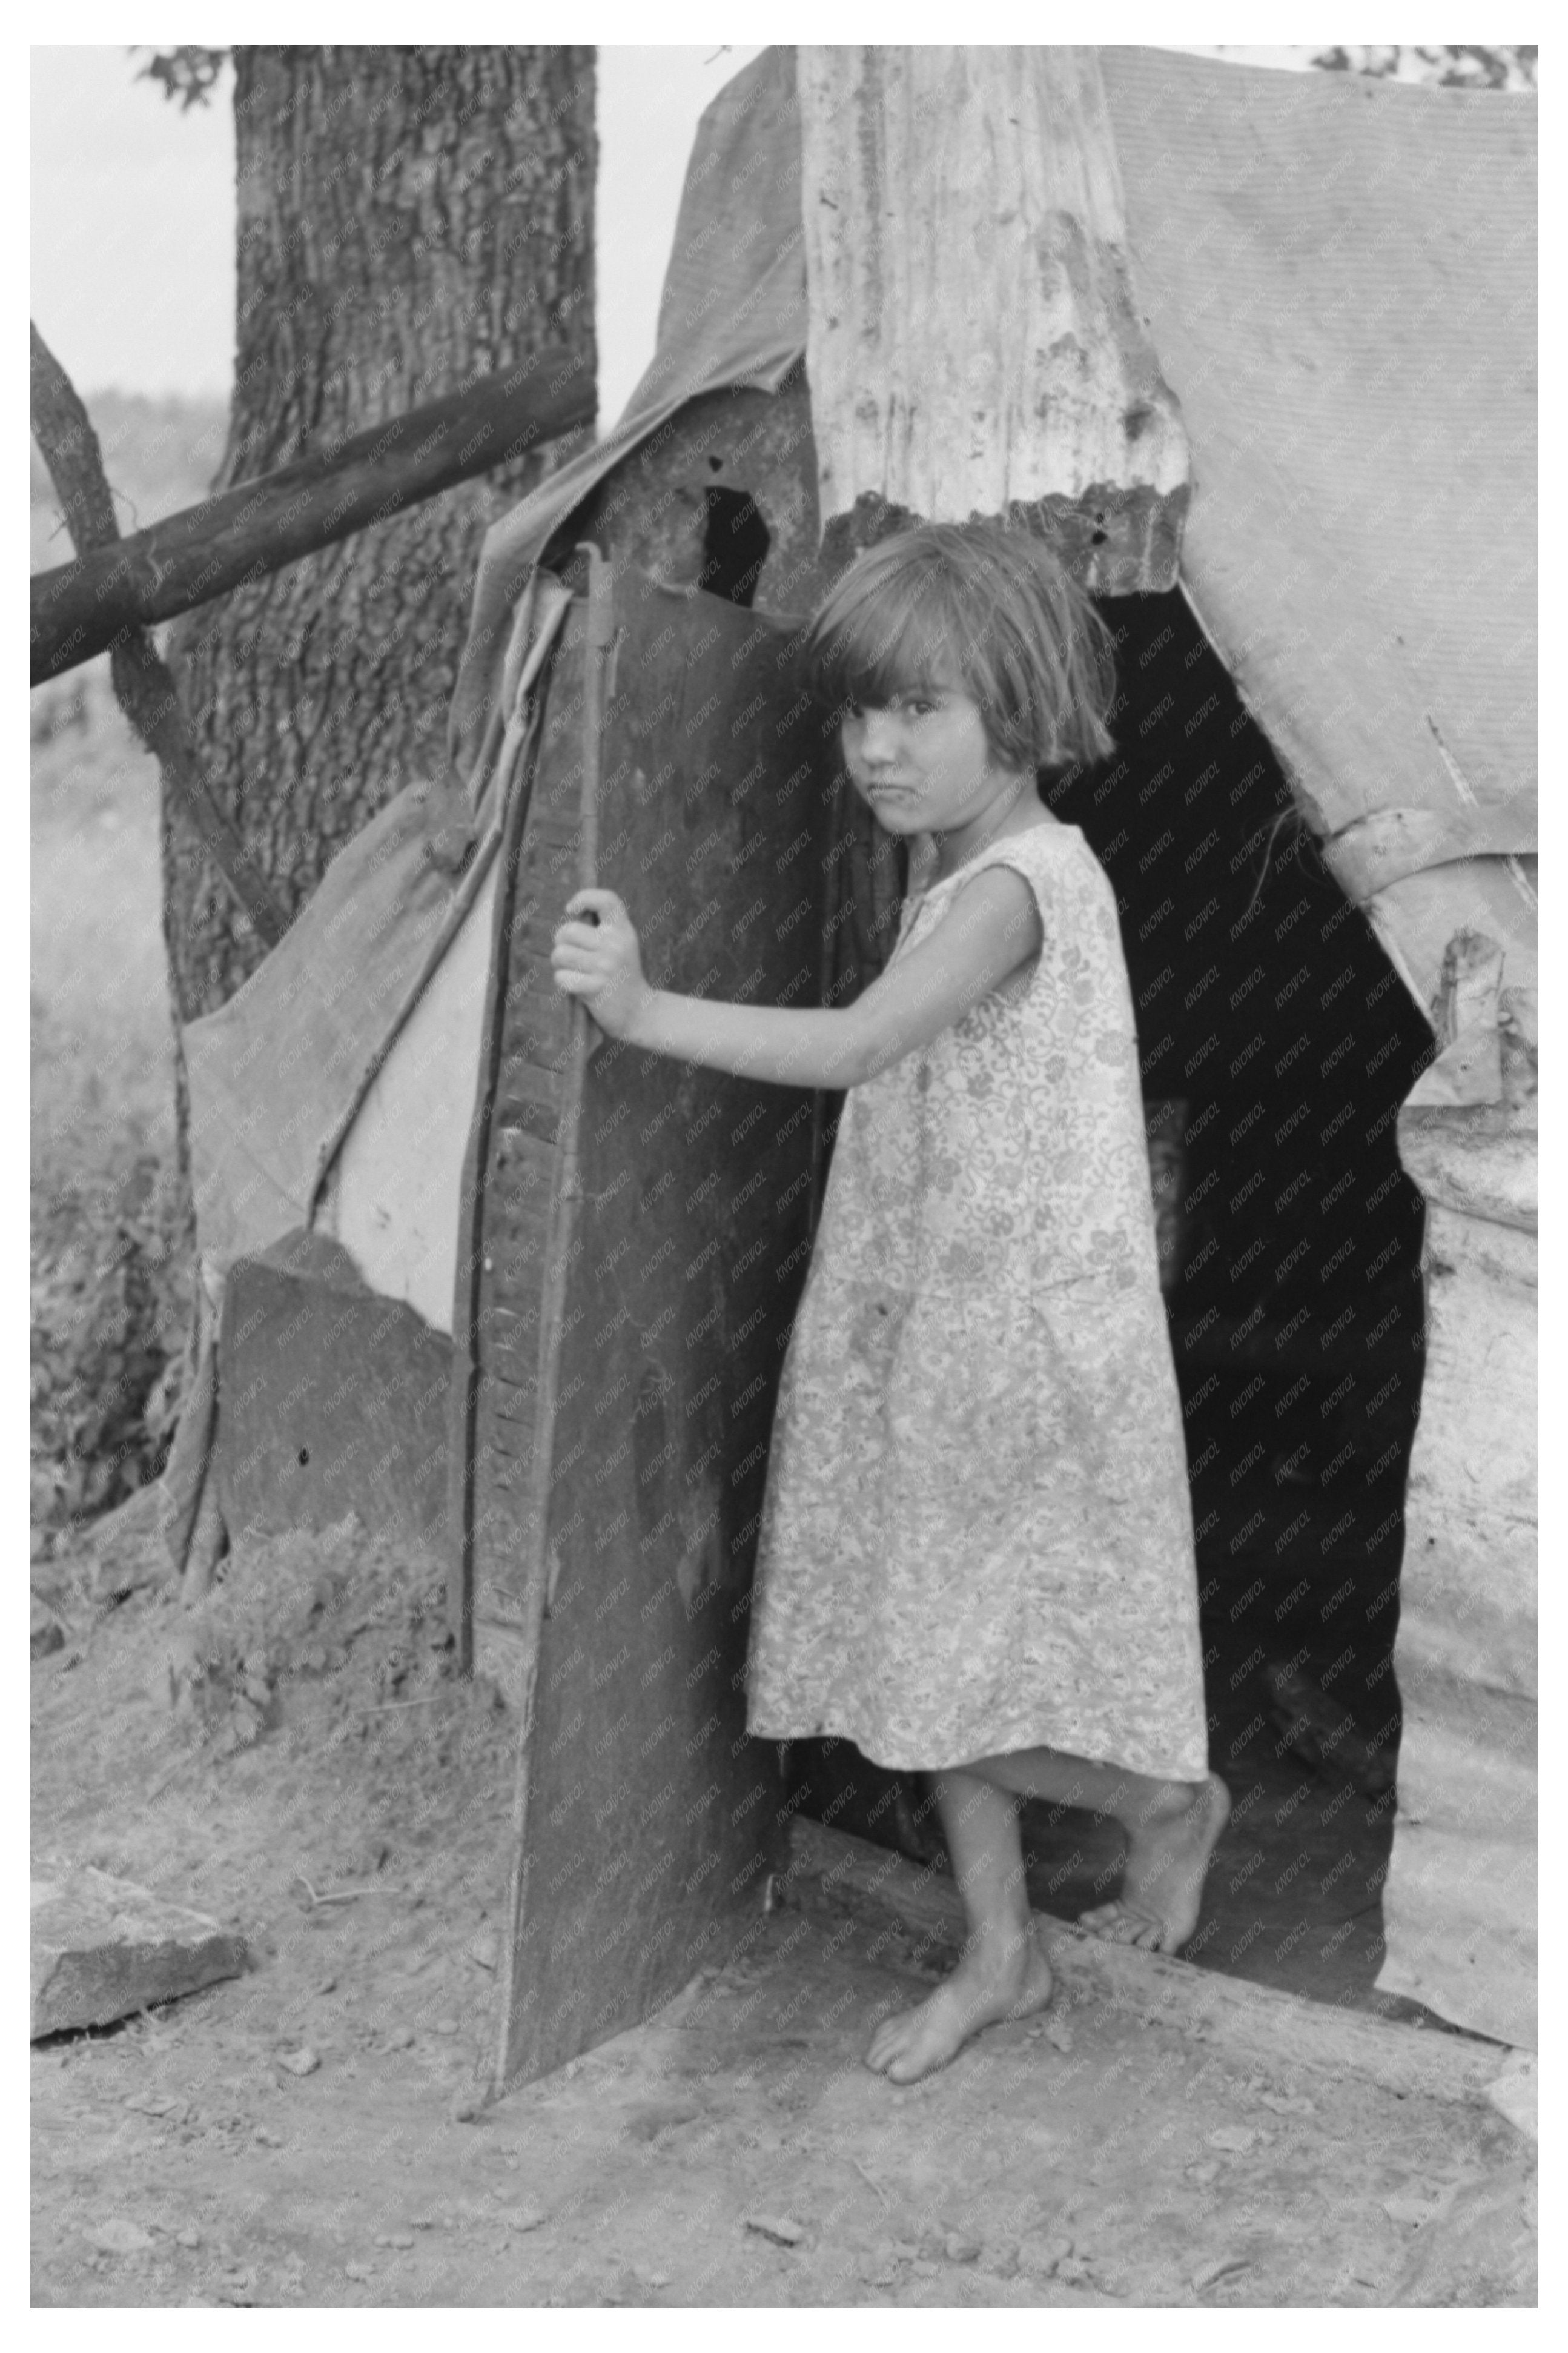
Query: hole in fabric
[[734, 544]]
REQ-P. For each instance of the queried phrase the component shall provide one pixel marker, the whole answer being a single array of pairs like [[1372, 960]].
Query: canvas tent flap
[[272, 1075], [1460, 1899], [298, 1079], [1339, 276], [390, 1197], [272, 1072], [1371, 852], [733, 313], [279, 1075]]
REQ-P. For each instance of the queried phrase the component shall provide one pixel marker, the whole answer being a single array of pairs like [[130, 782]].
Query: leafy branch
[[1452, 66], [191, 75]]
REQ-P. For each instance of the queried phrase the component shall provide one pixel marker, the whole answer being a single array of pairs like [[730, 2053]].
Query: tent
[[1265, 339]]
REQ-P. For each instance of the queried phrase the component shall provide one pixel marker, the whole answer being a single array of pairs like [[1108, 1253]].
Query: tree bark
[[410, 220]]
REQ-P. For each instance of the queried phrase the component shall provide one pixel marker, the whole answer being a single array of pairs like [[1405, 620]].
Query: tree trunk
[[410, 219]]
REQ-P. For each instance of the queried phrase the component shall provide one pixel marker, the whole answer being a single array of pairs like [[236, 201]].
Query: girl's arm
[[992, 927]]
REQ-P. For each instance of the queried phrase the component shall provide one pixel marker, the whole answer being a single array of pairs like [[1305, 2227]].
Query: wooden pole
[[143, 684], [78, 609]]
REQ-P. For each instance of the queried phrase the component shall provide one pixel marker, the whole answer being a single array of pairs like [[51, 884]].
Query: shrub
[[109, 1303]]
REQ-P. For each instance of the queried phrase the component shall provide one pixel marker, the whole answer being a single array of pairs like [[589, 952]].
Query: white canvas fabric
[[1339, 277]]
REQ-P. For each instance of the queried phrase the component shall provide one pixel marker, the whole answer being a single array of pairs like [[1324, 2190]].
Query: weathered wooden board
[[508, 1174], [648, 1807], [333, 1399], [974, 342]]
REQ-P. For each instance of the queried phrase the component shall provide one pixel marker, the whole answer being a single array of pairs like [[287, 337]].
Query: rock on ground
[[103, 1948], [46, 1632]]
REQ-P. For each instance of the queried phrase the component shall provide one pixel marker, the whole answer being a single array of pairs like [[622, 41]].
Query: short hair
[[991, 602]]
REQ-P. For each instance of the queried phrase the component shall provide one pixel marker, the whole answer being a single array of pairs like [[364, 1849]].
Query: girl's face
[[923, 760]]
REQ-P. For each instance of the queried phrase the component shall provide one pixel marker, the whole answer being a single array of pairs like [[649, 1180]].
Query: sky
[[132, 227], [132, 212]]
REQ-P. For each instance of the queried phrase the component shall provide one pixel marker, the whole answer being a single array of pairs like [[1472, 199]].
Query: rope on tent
[[1286, 817]]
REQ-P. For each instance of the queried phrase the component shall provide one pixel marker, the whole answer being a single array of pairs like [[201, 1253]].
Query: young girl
[[975, 1557]]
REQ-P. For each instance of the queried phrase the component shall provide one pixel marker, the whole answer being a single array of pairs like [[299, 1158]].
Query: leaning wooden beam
[[828, 1870], [142, 682], [246, 533]]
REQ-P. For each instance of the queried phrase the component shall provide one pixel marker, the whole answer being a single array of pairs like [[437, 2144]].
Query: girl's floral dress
[[976, 1535]]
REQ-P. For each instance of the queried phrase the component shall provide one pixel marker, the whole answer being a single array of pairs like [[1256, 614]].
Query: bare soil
[[299, 1759]]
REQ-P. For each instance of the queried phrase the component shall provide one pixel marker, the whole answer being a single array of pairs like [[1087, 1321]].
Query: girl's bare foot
[[1167, 1861], [996, 1980]]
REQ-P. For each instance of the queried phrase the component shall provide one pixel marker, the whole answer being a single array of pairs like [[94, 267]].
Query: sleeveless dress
[[976, 1535]]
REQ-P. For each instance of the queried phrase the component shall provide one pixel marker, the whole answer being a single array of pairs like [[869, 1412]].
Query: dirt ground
[[298, 1760]]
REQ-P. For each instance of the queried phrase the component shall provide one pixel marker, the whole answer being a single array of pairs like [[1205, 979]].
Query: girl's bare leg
[[1171, 1829], [1003, 1973]]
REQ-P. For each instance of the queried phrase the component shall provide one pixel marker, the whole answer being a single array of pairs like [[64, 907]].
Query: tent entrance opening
[[1276, 1043]]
